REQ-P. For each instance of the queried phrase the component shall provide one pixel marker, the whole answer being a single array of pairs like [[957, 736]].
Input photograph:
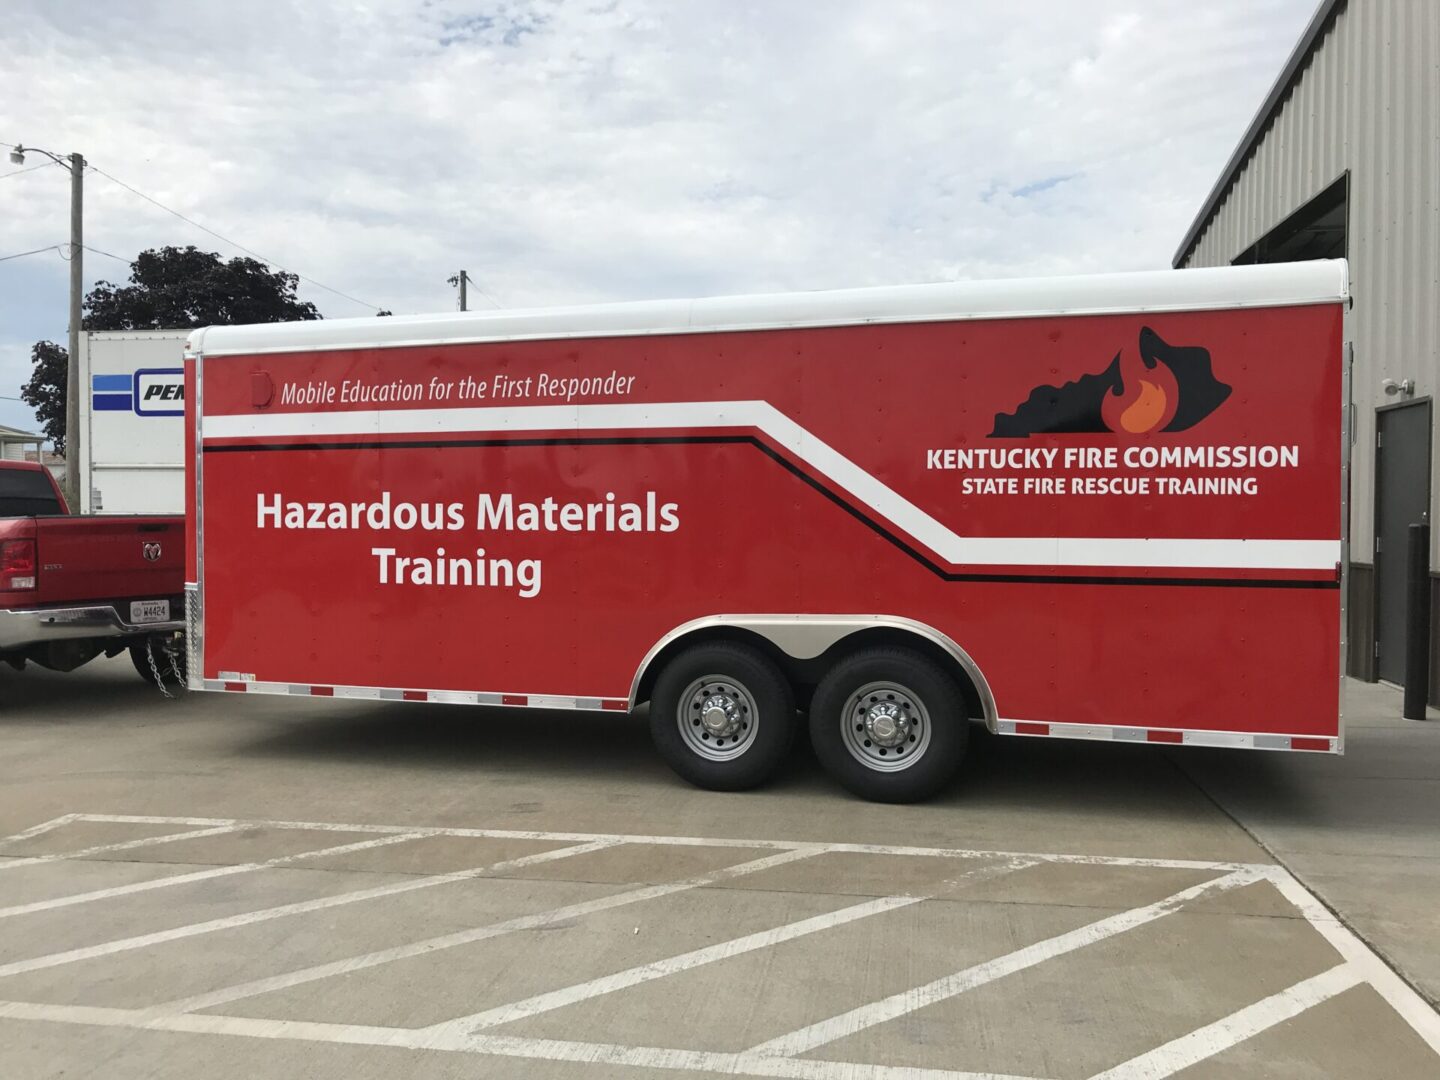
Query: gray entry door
[[1402, 498]]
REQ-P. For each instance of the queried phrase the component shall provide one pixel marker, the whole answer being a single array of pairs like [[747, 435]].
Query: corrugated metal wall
[[1367, 103]]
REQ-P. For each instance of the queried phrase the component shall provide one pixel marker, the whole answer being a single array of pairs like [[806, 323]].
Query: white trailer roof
[[1279, 285]]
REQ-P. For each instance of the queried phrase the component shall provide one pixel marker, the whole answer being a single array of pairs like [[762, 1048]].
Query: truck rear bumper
[[20, 628]]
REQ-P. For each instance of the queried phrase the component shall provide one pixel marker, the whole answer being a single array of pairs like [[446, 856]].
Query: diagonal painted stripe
[[204, 875], [1402, 997], [659, 969], [635, 976], [1206, 1042], [1233, 554], [39, 830], [467, 937], [919, 997], [631, 1057], [124, 845], [302, 907]]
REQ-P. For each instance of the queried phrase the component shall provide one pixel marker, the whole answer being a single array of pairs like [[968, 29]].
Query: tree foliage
[[170, 288], [45, 392], [177, 288]]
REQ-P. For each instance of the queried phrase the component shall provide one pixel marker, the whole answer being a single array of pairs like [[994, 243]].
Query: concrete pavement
[[1362, 830], [235, 887]]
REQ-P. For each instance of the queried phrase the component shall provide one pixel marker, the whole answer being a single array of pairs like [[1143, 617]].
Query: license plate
[[149, 611]]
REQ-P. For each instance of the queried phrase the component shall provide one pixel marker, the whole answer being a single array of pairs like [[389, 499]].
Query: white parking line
[[1204, 1043], [203, 875], [589, 1053], [249, 918], [38, 830], [690, 841], [778, 1057], [1400, 995], [659, 969], [907, 1001], [123, 845], [479, 933], [622, 980]]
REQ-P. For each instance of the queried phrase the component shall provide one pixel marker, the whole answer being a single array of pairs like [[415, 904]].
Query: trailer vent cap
[[262, 389]]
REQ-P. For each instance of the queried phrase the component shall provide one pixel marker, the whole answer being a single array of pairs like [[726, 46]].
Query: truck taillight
[[17, 564]]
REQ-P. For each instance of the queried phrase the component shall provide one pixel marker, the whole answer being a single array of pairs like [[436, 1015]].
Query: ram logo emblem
[[151, 551]]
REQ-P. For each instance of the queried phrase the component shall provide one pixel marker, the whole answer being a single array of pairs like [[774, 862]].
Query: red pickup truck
[[75, 587]]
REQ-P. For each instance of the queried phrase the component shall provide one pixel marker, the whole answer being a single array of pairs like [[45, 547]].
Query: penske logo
[[146, 392], [160, 392]]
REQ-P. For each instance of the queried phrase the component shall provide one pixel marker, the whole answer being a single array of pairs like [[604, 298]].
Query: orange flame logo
[[1145, 400]]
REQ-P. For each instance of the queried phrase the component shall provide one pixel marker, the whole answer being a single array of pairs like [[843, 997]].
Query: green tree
[[45, 392], [177, 288], [170, 288]]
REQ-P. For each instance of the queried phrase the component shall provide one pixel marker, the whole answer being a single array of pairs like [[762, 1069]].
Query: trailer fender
[[807, 637]]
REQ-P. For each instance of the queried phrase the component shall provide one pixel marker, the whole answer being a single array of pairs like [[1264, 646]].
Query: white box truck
[[132, 416]]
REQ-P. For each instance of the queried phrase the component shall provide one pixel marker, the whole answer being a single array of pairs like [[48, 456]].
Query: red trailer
[[1107, 507]]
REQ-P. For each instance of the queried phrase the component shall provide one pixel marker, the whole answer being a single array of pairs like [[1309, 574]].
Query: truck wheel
[[722, 716], [889, 725], [169, 655]]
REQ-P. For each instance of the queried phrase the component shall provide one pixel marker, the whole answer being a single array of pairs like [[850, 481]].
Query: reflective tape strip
[[444, 697], [1171, 736]]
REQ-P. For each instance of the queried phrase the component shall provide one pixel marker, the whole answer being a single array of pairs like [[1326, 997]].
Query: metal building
[[1343, 159]]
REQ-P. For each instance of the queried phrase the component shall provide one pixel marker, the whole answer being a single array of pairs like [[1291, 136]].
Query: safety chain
[[155, 669]]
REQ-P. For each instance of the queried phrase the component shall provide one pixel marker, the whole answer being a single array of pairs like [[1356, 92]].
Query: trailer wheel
[[889, 725], [722, 716]]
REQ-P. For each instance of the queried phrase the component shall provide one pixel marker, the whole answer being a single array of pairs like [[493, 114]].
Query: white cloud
[[566, 151]]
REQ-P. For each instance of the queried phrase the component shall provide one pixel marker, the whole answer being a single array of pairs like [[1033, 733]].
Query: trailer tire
[[722, 715], [874, 708]]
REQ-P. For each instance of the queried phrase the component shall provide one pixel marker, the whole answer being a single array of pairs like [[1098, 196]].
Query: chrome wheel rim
[[885, 726], [717, 718]]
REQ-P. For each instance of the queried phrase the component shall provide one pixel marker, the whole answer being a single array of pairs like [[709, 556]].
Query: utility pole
[[462, 279], [73, 437], [73, 389]]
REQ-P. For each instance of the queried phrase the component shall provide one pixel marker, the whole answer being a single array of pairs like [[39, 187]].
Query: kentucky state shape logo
[[1159, 387]]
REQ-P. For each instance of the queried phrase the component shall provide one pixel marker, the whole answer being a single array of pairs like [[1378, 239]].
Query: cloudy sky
[[576, 150]]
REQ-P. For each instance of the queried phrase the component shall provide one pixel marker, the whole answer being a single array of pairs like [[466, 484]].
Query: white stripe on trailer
[[1098, 552]]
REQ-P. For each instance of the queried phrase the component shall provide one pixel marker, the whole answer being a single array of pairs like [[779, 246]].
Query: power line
[[107, 254], [232, 243], [31, 168], [22, 254]]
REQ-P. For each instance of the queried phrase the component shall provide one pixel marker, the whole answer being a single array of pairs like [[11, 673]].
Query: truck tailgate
[[104, 558]]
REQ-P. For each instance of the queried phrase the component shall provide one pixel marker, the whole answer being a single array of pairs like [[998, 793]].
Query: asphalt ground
[[223, 886]]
